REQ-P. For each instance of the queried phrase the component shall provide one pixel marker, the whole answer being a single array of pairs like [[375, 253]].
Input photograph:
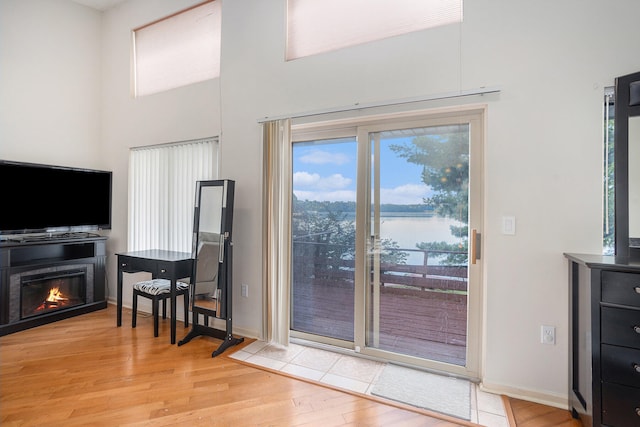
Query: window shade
[[179, 50], [162, 183], [320, 26]]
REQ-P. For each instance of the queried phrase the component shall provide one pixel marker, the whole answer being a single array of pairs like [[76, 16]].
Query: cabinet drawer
[[160, 269], [621, 288], [178, 270], [134, 265], [620, 326], [621, 365], [620, 405], [163, 270]]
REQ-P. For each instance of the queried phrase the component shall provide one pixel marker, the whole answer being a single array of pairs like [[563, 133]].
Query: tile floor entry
[[352, 373]]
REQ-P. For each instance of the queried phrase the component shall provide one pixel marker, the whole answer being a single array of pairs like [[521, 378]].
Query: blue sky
[[327, 171]]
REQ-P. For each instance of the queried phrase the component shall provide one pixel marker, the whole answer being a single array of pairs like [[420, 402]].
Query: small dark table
[[161, 264]]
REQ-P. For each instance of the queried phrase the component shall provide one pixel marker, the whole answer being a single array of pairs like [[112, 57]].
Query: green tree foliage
[[324, 224], [350, 207], [444, 157], [390, 254]]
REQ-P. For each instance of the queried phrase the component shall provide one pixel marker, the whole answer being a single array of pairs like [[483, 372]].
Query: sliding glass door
[[386, 227]]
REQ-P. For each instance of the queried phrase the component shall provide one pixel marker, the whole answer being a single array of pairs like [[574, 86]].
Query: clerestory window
[[178, 50], [321, 26]]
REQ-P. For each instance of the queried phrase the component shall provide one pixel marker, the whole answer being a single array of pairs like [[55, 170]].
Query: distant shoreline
[[384, 214]]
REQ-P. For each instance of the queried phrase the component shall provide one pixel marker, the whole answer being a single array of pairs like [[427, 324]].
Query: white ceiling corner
[[101, 5]]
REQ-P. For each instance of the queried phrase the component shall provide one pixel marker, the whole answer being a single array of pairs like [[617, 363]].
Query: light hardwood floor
[[529, 414], [85, 371]]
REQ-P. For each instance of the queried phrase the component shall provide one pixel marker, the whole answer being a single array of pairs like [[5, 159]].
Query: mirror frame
[[225, 258], [624, 109], [225, 266]]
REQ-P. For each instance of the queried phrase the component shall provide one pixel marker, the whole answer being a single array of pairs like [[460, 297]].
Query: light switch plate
[[509, 225]]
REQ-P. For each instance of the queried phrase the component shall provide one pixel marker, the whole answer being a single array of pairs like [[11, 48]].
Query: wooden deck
[[423, 309]]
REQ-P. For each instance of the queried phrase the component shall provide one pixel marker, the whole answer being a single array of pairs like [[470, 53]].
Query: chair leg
[[155, 304], [134, 312], [155, 309]]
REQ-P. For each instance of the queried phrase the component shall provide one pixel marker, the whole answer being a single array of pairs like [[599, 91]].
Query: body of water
[[408, 231]]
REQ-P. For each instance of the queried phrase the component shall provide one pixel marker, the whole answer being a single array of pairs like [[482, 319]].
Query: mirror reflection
[[208, 249], [634, 181]]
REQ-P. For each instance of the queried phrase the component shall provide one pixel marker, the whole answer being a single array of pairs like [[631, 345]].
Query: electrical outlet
[[244, 289], [548, 334]]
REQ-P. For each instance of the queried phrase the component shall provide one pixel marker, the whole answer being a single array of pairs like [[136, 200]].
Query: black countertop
[[606, 261]]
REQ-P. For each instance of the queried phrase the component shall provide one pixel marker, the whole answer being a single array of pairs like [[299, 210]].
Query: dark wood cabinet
[[604, 349]]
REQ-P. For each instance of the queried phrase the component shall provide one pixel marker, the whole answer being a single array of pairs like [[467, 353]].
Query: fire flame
[[55, 295]]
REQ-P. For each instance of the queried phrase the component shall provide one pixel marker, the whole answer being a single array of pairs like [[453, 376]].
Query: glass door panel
[[323, 238], [417, 251]]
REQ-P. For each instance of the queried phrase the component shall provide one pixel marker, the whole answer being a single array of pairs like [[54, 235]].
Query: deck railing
[[321, 262]]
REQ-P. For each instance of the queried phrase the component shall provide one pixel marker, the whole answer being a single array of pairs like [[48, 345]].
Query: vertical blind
[[179, 50], [162, 182], [320, 26]]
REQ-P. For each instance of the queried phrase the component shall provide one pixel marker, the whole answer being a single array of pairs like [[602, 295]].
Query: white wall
[[544, 165], [50, 72], [542, 157]]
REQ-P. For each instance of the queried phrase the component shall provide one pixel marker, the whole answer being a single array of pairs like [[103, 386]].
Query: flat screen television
[[46, 198]]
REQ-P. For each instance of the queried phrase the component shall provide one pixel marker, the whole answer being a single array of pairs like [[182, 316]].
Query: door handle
[[476, 240]]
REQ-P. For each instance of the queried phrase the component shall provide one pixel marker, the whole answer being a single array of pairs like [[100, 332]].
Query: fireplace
[[43, 281], [44, 293], [40, 292]]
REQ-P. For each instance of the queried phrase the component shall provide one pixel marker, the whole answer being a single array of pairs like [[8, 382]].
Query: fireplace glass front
[[44, 293]]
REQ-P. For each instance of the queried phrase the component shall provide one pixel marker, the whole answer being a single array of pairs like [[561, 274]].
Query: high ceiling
[[99, 4]]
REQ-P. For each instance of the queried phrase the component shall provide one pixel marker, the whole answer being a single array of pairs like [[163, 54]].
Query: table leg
[[119, 297], [173, 310]]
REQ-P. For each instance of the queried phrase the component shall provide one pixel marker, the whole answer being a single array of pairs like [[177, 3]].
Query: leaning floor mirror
[[211, 284]]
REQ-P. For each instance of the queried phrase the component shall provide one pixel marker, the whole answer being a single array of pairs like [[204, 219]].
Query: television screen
[[37, 198]]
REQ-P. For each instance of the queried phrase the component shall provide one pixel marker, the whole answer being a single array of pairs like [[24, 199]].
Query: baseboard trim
[[549, 399], [246, 333]]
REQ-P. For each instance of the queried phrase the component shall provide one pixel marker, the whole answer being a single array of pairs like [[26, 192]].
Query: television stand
[[27, 262]]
